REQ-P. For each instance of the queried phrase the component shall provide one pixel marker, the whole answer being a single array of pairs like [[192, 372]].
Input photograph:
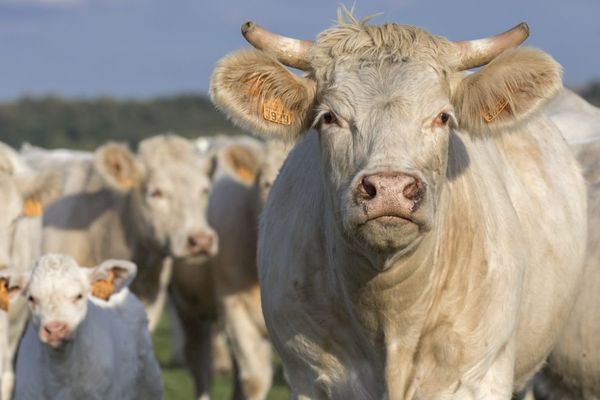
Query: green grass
[[178, 382]]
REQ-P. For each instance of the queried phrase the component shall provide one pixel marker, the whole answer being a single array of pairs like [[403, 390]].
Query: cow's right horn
[[291, 52]]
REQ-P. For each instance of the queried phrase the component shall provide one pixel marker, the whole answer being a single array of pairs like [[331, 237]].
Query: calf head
[[386, 101], [57, 291], [168, 187]]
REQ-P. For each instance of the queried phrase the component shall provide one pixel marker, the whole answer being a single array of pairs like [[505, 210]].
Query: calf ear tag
[[32, 208], [4, 300], [103, 288]]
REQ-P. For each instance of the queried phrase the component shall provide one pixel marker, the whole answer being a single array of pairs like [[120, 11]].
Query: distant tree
[[87, 123], [591, 93]]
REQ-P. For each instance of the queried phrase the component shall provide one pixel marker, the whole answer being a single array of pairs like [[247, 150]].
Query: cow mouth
[[390, 219]]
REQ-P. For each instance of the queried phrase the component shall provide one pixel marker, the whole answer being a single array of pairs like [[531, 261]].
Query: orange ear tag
[[103, 288], [4, 300], [489, 116], [32, 208], [245, 174], [127, 183], [275, 111]]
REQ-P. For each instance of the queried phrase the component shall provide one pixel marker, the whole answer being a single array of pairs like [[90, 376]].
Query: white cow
[[573, 368], [405, 251], [23, 196], [149, 208], [88, 337]]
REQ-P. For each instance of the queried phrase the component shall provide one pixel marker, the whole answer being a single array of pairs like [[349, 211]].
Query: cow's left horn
[[475, 53], [291, 52]]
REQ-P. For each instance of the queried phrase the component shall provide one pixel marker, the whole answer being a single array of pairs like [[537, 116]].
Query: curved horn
[[291, 52], [475, 53]]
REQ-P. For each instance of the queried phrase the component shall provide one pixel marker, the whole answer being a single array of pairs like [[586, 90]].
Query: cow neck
[[411, 287], [139, 242]]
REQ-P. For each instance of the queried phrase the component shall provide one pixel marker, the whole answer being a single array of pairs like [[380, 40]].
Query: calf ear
[[241, 161], [110, 277], [12, 283], [118, 166], [507, 91], [262, 96], [38, 191]]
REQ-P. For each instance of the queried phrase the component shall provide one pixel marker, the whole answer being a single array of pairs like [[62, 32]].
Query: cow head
[[22, 195], [57, 292], [168, 186], [386, 102]]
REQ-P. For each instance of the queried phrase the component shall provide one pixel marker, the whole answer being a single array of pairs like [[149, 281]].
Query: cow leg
[[197, 334], [251, 350], [177, 336]]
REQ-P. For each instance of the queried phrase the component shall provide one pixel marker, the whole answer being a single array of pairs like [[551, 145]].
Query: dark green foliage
[[591, 93], [53, 122], [85, 124]]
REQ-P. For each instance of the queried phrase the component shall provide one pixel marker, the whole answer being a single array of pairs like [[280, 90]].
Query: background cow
[[245, 172], [147, 208], [23, 194]]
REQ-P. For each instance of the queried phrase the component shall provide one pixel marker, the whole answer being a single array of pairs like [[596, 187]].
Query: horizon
[[144, 49]]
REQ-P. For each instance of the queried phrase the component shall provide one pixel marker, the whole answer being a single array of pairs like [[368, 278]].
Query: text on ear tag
[[32, 208], [490, 115], [275, 111], [103, 288], [4, 299]]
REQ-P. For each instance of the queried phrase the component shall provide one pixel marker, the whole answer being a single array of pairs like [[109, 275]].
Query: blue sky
[[141, 48]]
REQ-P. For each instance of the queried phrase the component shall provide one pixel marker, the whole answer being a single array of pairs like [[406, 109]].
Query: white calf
[[88, 336]]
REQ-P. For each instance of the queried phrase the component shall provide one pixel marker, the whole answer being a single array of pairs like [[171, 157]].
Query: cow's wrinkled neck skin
[[418, 287]]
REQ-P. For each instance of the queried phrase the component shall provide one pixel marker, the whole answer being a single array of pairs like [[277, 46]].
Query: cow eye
[[329, 118], [156, 193], [79, 297], [31, 299], [442, 119]]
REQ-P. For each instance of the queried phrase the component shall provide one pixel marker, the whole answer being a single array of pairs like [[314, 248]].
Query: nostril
[[200, 242], [192, 241], [368, 188], [414, 190]]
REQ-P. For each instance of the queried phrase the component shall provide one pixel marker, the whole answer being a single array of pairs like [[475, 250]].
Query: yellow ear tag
[[4, 300], [127, 183], [489, 116], [32, 208], [245, 174], [275, 111], [103, 288]]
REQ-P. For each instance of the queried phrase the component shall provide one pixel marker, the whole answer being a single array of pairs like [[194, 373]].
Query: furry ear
[[12, 283], [38, 191], [262, 96], [506, 91], [242, 162], [118, 166], [110, 277]]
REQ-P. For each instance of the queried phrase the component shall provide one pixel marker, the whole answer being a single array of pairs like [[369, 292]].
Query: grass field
[[178, 383]]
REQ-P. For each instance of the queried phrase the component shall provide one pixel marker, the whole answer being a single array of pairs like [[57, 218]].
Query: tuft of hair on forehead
[[356, 41], [50, 265], [167, 149]]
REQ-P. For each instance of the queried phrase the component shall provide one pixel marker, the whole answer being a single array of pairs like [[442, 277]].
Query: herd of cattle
[[433, 237]]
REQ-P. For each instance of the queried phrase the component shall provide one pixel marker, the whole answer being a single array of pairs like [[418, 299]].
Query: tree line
[[54, 122]]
